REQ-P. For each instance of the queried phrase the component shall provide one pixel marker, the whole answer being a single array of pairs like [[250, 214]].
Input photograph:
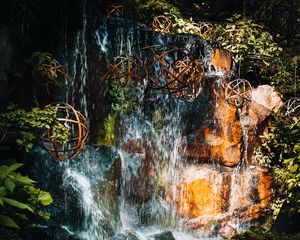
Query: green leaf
[[8, 222], [9, 184], [45, 198], [22, 216], [19, 179], [3, 191], [17, 204], [294, 168], [14, 167]]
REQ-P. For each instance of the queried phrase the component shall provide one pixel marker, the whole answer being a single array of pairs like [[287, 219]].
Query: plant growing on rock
[[25, 125]]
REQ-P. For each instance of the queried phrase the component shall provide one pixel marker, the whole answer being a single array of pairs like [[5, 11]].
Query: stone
[[265, 100], [127, 235], [228, 230], [167, 235], [220, 142], [222, 60], [202, 191], [207, 197]]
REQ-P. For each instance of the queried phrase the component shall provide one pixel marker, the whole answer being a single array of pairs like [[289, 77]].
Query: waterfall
[[165, 170]]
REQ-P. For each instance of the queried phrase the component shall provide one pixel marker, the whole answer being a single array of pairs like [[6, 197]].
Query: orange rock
[[222, 142], [208, 195], [222, 59], [202, 191]]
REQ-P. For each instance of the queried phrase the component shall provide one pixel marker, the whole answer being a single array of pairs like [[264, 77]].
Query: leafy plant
[[260, 233], [26, 125], [245, 38], [282, 146], [107, 138], [19, 198], [120, 99], [282, 74], [147, 9]]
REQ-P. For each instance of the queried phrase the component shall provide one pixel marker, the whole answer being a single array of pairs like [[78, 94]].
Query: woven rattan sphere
[[78, 129], [238, 92], [162, 24], [190, 73], [50, 73], [293, 107], [205, 30], [123, 70], [115, 10], [174, 70]]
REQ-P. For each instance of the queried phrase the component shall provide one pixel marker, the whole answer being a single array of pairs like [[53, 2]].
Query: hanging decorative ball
[[174, 70], [162, 24], [205, 30], [293, 107], [115, 10], [190, 75], [78, 133], [238, 92], [50, 73], [123, 70]]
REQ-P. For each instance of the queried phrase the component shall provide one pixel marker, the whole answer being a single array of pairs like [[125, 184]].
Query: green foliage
[[157, 117], [27, 124], [182, 25], [245, 38], [283, 149], [108, 136], [121, 101], [282, 74], [260, 233], [147, 9], [19, 197]]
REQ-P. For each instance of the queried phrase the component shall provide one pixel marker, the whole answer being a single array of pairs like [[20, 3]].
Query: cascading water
[[165, 171]]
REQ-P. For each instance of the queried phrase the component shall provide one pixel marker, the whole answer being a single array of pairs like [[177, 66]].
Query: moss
[[107, 132], [157, 117]]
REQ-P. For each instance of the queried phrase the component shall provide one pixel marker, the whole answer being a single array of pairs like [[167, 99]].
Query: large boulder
[[209, 196], [264, 101], [223, 141]]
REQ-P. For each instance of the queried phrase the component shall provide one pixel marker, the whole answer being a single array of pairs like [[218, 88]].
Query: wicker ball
[[123, 70], [293, 107], [115, 10], [190, 73], [205, 30], [78, 128], [238, 92], [162, 24], [50, 73], [174, 70]]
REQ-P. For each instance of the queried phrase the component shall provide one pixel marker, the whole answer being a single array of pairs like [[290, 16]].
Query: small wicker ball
[[78, 128], [115, 10], [205, 30], [162, 24], [238, 92]]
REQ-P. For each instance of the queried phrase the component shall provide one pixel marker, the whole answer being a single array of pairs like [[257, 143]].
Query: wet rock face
[[219, 139], [208, 196], [202, 191], [164, 236]]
